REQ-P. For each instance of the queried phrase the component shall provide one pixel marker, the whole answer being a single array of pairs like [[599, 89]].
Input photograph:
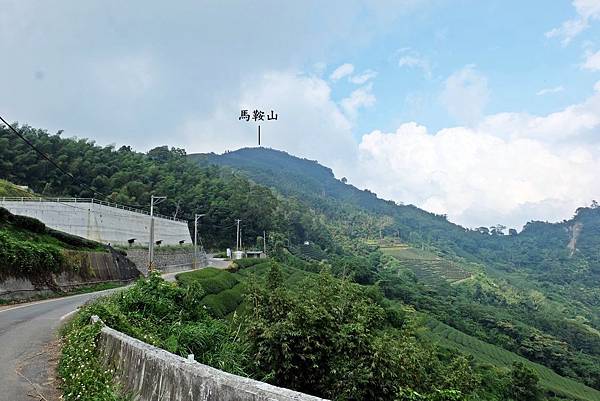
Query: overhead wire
[[57, 166]]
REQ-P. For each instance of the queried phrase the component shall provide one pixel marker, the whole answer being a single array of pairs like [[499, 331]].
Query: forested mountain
[[128, 177], [536, 293]]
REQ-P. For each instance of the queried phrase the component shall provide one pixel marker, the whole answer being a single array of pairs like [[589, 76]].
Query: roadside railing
[[87, 200]]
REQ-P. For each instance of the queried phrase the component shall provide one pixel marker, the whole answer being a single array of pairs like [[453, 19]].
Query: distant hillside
[[128, 177], [296, 176], [535, 293], [317, 187]]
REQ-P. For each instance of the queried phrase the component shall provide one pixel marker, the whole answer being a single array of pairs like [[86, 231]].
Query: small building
[[255, 254]]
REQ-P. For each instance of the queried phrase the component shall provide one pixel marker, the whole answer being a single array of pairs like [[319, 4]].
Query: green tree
[[523, 384]]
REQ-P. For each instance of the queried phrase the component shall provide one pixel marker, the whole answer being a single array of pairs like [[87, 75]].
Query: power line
[[47, 158]]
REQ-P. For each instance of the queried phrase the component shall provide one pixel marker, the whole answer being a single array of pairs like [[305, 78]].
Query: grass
[[8, 189], [485, 353], [427, 266]]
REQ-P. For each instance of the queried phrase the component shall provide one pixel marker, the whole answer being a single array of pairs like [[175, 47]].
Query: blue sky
[[505, 42], [487, 111]]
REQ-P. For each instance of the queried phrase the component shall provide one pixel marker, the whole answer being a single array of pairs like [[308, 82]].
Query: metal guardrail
[[88, 200]]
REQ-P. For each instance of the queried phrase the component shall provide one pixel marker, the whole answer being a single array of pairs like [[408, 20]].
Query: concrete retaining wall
[[98, 222], [152, 374], [167, 261], [95, 268]]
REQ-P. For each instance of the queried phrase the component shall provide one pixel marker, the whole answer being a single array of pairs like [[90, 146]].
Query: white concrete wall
[[152, 374], [101, 223]]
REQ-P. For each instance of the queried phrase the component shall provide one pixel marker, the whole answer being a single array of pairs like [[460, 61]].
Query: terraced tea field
[[483, 352], [309, 252], [428, 267]]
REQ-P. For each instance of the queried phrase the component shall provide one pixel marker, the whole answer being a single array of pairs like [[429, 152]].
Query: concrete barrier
[[152, 374], [99, 221], [93, 268]]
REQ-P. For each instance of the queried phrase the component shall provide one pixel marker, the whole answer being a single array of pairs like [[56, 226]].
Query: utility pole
[[196, 217], [265, 242], [151, 244], [237, 241]]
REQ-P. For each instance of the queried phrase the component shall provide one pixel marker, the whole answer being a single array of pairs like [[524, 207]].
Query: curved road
[[26, 332]]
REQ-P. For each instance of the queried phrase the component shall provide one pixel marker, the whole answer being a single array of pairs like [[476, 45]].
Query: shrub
[[188, 277], [161, 314], [212, 280], [29, 223], [244, 263], [329, 338], [83, 377], [225, 302], [22, 258]]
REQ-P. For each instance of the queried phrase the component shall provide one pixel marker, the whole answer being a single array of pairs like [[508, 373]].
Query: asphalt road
[[27, 335]]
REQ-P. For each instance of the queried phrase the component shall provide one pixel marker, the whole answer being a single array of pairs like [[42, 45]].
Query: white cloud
[[465, 95], [361, 97], [365, 76], [479, 179], [509, 169], [412, 59], [341, 72], [547, 91], [587, 10], [592, 61], [310, 124], [578, 122], [126, 77]]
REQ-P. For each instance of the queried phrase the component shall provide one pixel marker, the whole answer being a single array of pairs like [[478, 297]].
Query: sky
[[486, 111]]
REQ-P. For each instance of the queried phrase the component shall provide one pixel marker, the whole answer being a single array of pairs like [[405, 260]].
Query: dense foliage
[[328, 338], [128, 177], [30, 250], [322, 335], [535, 292]]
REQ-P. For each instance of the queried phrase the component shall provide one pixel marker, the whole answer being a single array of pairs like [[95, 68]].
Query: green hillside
[[225, 296], [127, 177], [28, 249], [427, 266], [8, 189], [447, 336], [535, 293]]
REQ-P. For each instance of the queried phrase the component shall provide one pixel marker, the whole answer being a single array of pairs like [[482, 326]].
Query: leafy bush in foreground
[[221, 304], [156, 312], [330, 339], [83, 377]]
